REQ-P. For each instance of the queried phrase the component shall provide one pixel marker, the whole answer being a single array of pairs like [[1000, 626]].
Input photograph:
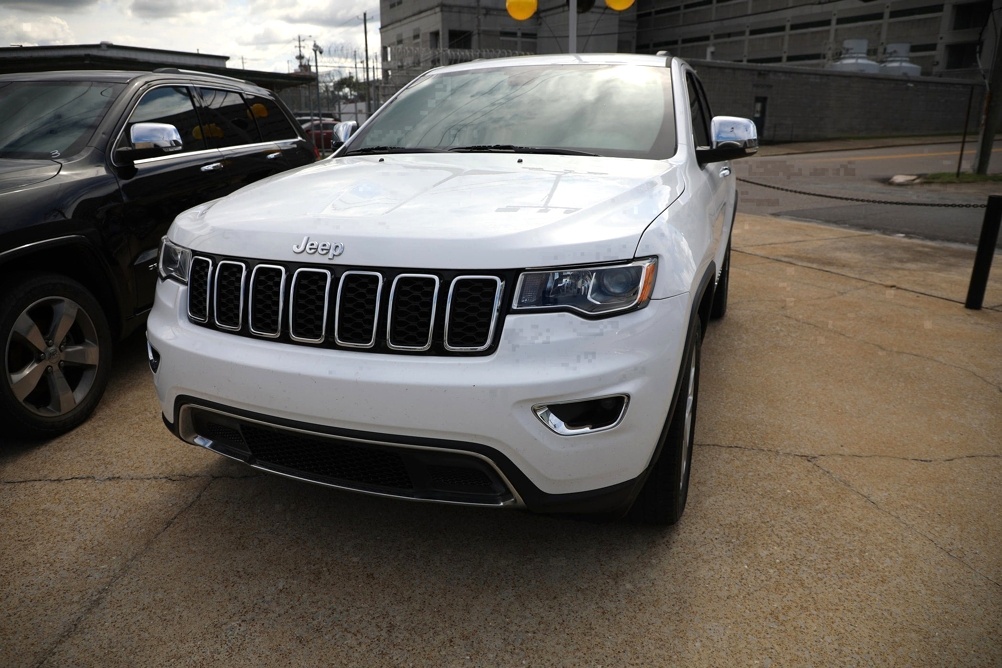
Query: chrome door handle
[[725, 171], [275, 155], [212, 167]]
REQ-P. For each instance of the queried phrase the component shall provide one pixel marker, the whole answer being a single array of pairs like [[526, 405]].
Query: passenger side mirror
[[733, 138], [150, 140], [342, 133]]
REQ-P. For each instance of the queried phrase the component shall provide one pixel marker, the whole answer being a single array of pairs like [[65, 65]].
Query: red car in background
[[321, 132]]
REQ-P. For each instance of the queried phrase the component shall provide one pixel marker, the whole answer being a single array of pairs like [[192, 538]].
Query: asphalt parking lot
[[844, 510]]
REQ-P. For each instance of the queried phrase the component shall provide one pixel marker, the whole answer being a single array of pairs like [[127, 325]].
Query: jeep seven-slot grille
[[377, 310]]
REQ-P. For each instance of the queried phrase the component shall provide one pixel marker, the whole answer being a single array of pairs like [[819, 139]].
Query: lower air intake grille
[[374, 467]]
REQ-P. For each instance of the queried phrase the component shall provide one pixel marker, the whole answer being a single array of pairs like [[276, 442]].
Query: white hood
[[441, 211]]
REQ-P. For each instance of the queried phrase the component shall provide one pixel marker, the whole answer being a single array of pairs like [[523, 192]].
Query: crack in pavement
[[892, 351], [906, 524], [100, 596], [93, 478], [812, 457], [816, 462], [786, 242], [856, 278]]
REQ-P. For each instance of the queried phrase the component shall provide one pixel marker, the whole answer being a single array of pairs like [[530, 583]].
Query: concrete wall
[[804, 104]]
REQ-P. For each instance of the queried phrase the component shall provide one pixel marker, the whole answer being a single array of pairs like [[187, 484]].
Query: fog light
[[571, 418], [154, 357]]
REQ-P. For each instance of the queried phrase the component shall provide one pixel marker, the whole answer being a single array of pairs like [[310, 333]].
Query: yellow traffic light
[[520, 10]]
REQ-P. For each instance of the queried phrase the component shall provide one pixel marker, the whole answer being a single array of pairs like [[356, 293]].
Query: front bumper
[[430, 409]]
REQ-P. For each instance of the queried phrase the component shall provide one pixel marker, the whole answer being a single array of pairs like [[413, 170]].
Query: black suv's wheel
[[719, 306], [56, 354], [662, 498]]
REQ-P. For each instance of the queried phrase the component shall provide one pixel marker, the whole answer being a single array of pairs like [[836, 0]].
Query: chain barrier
[[863, 199]]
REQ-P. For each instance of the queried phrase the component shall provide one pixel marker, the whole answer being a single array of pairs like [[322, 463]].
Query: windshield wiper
[[368, 150], [511, 148]]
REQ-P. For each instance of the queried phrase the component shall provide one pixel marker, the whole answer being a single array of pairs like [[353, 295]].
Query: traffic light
[[520, 10]]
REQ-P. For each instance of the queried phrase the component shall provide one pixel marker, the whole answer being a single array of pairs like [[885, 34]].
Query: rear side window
[[228, 121], [271, 121], [168, 104]]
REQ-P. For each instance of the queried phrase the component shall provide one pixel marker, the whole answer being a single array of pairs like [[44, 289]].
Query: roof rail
[[175, 70]]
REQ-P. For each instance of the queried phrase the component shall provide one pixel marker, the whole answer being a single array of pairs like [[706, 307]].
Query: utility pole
[[355, 57], [993, 112], [368, 96]]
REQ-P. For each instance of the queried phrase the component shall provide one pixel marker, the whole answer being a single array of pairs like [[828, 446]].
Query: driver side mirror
[[733, 138], [150, 140]]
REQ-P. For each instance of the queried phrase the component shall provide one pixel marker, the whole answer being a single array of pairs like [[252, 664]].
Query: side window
[[168, 104], [228, 120], [698, 111], [271, 121]]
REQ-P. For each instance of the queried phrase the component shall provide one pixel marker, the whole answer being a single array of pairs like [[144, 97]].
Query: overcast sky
[[255, 34]]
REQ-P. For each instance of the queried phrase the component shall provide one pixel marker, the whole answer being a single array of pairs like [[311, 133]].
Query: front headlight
[[588, 290], [174, 262]]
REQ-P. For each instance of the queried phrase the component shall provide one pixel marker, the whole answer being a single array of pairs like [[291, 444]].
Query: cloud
[[269, 36], [40, 6], [43, 31], [326, 14], [166, 9]]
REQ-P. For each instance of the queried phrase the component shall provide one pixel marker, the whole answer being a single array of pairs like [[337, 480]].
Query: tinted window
[[271, 122], [168, 104], [699, 112], [605, 109], [228, 119], [53, 119]]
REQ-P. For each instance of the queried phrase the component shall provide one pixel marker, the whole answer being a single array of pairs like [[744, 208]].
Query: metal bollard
[[985, 253]]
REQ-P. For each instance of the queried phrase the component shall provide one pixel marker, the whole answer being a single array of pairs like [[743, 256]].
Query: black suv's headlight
[[174, 262], [589, 290]]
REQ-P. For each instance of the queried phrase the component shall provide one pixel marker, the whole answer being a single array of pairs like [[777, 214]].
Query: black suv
[[94, 166]]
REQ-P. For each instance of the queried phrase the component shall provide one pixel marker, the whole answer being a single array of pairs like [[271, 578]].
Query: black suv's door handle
[[275, 155], [212, 167]]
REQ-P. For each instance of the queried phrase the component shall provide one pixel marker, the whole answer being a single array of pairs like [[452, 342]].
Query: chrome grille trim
[[431, 318], [292, 305], [220, 269], [495, 313], [281, 301], [366, 309], [206, 278], [375, 315]]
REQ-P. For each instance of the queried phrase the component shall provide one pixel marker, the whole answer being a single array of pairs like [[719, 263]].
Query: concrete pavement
[[844, 510]]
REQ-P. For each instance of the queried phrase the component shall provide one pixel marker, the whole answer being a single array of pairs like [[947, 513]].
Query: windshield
[[609, 110], [53, 119]]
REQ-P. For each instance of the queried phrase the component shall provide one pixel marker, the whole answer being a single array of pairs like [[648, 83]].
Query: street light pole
[[572, 27], [318, 52]]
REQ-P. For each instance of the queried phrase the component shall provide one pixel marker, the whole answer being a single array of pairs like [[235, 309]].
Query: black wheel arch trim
[[110, 290], [705, 288]]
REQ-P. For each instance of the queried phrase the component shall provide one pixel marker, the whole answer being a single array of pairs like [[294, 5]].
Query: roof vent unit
[[896, 61], [853, 58]]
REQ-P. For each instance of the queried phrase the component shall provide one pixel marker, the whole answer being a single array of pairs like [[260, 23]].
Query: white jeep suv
[[493, 294]]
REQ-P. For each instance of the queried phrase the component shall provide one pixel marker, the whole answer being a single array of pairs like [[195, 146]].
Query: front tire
[[56, 347], [662, 498]]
